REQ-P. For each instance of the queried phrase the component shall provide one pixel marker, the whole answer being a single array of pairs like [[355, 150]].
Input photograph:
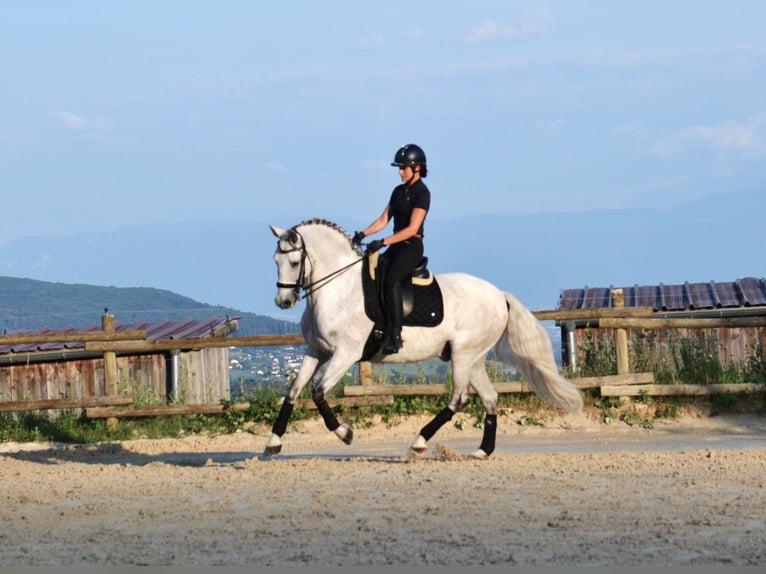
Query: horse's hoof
[[345, 433], [270, 451], [478, 454]]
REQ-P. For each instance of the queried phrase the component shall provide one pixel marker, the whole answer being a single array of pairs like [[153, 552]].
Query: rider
[[408, 206]]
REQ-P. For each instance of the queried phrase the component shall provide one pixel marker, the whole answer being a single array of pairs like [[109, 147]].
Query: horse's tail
[[527, 346]]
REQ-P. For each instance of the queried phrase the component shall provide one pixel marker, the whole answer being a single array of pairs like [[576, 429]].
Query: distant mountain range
[[31, 305], [228, 264]]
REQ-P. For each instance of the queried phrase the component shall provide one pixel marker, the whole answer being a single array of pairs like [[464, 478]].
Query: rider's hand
[[374, 246], [358, 238]]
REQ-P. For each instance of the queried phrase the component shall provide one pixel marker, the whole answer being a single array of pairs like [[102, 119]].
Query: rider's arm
[[379, 223]]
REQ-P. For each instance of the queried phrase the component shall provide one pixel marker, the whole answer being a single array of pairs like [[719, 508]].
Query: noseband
[[295, 285], [300, 283]]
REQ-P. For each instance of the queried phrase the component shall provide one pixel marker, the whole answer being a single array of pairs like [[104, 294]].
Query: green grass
[[680, 360], [71, 427]]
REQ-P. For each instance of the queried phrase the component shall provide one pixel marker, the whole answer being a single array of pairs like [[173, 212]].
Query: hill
[[30, 305]]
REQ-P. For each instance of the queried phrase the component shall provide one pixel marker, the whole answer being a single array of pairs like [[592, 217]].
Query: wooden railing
[[624, 383]]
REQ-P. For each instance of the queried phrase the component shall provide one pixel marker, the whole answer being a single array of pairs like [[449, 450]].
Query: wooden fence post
[[620, 336], [110, 363], [365, 373], [110, 357]]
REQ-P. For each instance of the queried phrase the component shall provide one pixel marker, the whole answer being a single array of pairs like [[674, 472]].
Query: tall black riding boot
[[393, 339]]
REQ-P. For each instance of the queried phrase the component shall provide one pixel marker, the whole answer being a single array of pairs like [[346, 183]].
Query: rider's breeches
[[402, 258]]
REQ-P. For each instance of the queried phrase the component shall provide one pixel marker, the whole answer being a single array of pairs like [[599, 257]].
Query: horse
[[319, 259]]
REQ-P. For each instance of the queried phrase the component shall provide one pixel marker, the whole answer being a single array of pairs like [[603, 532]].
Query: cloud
[[532, 23], [372, 41], [79, 124], [746, 138], [413, 34], [377, 40], [631, 129], [275, 167], [552, 125]]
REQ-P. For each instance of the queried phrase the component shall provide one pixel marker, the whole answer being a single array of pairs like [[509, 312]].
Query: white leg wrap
[[342, 431], [479, 454], [419, 444], [274, 441]]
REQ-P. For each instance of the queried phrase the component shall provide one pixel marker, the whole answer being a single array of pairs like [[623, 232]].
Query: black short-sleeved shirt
[[404, 199]]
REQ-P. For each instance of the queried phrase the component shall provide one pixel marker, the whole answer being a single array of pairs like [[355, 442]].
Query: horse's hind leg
[[445, 415], [488, 395], [459, 400], [344, 432]]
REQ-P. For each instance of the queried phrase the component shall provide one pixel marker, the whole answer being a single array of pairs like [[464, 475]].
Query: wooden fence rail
[[601, 313], [500, 387], [72, 337], [690, 323], [192, 344], [56, 404], [676, 390]]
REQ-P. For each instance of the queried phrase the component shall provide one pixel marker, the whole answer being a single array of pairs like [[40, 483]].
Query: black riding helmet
[[409, 155]]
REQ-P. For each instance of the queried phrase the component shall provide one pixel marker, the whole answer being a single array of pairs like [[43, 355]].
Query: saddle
[[422, 304]]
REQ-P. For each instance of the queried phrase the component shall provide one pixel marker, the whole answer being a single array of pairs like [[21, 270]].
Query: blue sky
[[122, 113]]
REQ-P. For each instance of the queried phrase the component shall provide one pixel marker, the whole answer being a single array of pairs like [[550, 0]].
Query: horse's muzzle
[[285, 302]]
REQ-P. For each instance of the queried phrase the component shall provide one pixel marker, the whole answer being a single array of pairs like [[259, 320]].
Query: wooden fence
[[623, 384]]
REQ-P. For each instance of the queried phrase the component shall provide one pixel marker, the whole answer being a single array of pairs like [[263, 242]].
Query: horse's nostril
[[284, 303]]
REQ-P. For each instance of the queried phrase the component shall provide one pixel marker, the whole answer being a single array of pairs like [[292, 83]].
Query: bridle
[[300, 283]]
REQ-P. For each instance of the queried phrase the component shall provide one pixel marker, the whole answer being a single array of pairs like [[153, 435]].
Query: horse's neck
[[333, 264]]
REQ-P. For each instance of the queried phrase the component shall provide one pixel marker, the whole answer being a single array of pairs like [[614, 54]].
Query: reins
[[312, 287]]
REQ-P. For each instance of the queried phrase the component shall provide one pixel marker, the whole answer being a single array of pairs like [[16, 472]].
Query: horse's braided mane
[[330, 224]]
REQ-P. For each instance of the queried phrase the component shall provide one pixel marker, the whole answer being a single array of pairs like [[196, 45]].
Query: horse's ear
[[277, 231]]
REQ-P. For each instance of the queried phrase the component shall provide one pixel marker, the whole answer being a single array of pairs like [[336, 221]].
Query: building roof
[[745, 292], [156, 331]]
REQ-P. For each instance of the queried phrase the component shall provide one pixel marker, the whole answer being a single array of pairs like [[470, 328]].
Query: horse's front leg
[[338, 366], [308, 368]]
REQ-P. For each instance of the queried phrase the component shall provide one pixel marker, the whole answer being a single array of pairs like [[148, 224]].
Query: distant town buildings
[[255, 366]]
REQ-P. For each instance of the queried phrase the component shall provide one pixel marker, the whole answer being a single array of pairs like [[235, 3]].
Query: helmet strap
[[415, 175]]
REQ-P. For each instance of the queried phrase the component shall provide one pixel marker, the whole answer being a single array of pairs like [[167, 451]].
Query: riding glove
[[358, 238], [374, 246]]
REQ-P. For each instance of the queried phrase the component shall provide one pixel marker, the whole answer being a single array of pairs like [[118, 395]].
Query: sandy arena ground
[[577, 492]]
